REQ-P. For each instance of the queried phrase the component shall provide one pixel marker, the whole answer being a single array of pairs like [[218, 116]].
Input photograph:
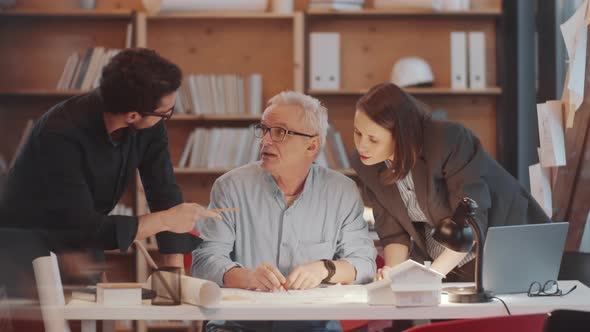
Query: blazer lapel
[[391, 199]]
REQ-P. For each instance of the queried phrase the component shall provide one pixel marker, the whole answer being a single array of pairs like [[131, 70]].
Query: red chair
[[520, 323], [188, 258]]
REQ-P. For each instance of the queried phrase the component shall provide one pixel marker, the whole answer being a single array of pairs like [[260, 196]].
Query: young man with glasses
[[84, 152], [299, 224]]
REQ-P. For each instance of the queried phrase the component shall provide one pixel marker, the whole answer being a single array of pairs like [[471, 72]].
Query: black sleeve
[[162, 191], [69, 202]]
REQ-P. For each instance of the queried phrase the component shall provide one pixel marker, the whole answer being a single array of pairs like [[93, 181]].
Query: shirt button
[[286, 213], [284, 245]]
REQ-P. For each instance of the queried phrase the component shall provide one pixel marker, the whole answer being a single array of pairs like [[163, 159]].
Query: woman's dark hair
[[404, 116], [136, 79]]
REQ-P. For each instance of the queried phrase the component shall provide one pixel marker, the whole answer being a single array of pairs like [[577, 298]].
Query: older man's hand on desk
[[267, 277], [307, 276]]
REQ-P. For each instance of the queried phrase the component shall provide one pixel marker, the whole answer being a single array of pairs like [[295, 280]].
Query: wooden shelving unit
[[67, 14], [493, 91], [38, 37], [491, 12], [219, 15], [371, 41], [216, 117], [40, 93]]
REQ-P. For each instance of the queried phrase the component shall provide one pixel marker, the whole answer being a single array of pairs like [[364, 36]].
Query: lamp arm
[[478, 253]]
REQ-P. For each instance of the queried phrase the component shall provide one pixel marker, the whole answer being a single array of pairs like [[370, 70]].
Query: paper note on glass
[[328, 295], [571, 28], [551, 137], [541, 187], [577, 74]]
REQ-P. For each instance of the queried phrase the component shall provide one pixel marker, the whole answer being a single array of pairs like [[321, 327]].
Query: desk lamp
[[458, 234]]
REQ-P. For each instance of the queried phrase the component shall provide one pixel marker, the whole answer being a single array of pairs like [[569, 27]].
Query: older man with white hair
[[299, 224]]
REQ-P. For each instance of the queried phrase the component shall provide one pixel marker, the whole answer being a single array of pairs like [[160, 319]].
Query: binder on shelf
[[255, 93], [324, 60], [458, 60], [477, 60]]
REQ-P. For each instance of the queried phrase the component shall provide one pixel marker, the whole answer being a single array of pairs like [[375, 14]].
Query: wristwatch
[[331, 270]]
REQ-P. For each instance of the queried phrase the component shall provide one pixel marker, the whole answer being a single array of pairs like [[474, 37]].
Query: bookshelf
[[38, 36], [414, 91], [369, 12], [224, 43], [372, 40]]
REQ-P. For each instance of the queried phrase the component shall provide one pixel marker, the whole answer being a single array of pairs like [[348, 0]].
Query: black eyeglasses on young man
[[166, 116]]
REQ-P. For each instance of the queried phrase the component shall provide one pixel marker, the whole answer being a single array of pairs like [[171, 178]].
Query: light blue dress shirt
[[324, 222]]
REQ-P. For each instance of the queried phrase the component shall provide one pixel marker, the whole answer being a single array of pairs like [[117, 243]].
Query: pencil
[[284, 287], [225, 210]]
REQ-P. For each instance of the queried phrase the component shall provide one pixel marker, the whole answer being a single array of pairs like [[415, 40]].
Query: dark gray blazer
[[452, 165]]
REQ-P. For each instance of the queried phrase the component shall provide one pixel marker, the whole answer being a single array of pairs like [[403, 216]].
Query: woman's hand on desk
[[381, 273]]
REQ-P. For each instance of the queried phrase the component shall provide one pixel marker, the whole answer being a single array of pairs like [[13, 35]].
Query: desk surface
[[518, 304]]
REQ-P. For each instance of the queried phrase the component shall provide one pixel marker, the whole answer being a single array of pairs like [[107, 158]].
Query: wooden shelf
[[426, 13], [76, 13], [216, 117], [41, 93], [168, 325], [493, 91], [220, 171], [220, 15]]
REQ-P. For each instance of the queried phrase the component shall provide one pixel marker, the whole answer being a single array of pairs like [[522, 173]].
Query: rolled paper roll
[[197, 291]]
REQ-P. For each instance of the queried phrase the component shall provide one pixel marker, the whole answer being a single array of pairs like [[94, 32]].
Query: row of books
[[220, 94], [83, 72], [336, 4], [219, 148], [334, 153], [233, 147]]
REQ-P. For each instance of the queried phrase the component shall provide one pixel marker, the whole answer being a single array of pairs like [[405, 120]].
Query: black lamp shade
[[460, 233], [453, 236]]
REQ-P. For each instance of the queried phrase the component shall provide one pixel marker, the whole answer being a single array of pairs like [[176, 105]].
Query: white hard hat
[[411, 71]]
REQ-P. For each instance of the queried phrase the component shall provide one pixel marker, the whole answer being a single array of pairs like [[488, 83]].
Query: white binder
[[477, 60], [324, 69], [458, 60]]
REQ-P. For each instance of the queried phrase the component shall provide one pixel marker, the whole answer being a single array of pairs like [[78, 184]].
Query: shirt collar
[[274, 187]]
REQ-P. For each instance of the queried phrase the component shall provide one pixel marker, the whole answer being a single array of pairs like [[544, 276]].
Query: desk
[[518, 304]]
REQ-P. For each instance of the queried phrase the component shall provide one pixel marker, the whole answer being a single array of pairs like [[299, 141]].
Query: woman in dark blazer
[[416, 170]]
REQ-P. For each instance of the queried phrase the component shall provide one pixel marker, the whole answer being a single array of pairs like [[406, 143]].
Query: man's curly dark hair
[[136, 79]]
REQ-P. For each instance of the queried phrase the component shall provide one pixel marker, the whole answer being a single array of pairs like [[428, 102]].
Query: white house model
[[407, 284]]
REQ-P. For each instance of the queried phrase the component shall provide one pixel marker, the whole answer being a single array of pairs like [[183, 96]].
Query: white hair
[[315, 116]]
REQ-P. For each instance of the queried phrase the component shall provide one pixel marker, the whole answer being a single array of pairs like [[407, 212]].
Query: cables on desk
[[504, 303]]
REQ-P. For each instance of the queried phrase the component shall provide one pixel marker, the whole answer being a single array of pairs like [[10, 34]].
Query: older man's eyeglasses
[[165, 116], [549, 288], [277, 134]]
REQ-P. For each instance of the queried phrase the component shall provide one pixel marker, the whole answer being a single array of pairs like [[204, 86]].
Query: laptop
[[515, 256]]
